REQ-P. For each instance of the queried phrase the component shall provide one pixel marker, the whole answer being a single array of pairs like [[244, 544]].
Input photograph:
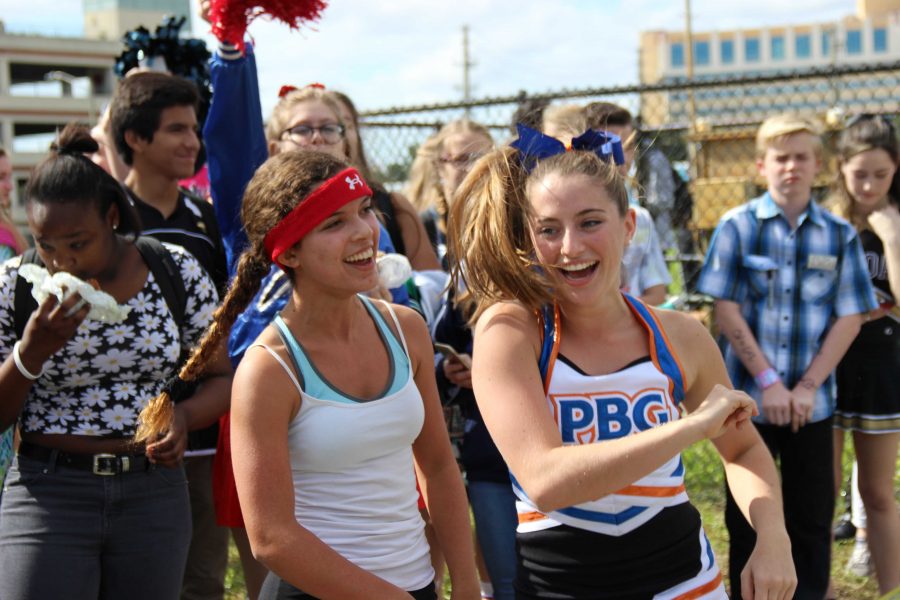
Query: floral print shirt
[[100, 380]]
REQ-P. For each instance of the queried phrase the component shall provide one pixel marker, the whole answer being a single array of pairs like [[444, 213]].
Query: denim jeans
[[67, 533], [494, 508]]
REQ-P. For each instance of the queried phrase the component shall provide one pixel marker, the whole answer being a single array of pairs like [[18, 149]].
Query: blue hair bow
[[534, 146]]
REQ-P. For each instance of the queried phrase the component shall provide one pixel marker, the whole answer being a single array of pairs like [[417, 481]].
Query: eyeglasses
[[463, 161], [330, 133]]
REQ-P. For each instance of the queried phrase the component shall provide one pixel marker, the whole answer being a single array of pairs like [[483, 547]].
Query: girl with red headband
[[334, 406]]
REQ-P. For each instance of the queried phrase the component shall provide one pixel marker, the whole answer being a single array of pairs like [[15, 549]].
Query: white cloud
[[409, 51]]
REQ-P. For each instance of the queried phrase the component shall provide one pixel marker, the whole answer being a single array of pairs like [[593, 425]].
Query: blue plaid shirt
[[790, 284]]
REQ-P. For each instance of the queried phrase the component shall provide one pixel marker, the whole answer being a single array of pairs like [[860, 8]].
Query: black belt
[[103, 463]]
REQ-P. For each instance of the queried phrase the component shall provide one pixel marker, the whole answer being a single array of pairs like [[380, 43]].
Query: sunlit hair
[[491, 250], [778, 127], [281, 114], [564, 121], [424, 188], [281, 183], [356, 154], [68, 176], [866, 132]]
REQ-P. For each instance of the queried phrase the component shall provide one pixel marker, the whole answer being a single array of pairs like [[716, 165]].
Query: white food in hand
[[104, 307]]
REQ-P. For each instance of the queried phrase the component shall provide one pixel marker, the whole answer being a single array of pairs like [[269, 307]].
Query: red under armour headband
[[345, 187]]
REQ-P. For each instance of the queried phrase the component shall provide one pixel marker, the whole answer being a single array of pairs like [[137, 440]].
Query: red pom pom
[[230, 18]]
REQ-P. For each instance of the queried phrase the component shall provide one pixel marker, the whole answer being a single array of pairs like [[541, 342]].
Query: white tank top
[[354, 481]]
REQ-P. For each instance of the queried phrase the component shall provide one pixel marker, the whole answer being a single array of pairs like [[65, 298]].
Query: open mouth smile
[[361, 258], [576, 271]]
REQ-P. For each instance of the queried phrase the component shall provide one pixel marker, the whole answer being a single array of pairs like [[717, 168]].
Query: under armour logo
[[353, 181]]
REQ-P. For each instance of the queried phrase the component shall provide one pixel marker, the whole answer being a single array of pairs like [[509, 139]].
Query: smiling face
[[789, 165], [579, 235], [312, 113], [339, 254], [172, 152], [68, 237], [868, 176]]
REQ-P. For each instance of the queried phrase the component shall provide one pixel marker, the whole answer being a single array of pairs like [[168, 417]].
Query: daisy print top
[[100, 380]]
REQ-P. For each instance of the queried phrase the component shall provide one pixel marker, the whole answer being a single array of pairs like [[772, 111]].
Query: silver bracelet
[[19, 365]]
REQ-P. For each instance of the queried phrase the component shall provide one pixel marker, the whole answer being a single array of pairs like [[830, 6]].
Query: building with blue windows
[[872, 35]]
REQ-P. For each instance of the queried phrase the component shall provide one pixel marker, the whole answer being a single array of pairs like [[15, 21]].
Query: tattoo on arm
[[807, 383], [743, 345]]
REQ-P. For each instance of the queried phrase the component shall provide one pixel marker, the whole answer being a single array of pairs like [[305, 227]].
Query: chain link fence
[[705, 127]]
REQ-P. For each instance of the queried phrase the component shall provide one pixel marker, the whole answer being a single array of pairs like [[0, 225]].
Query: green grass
[[704, 481]]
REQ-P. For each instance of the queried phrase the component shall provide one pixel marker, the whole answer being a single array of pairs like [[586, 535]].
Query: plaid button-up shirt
[[791, 284]]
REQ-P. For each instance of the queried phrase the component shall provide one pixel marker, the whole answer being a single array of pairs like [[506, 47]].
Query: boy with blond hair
[[791, 291]]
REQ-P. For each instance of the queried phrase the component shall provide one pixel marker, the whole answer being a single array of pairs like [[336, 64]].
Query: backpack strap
[[167, 274], [158, 259], [23, 302]]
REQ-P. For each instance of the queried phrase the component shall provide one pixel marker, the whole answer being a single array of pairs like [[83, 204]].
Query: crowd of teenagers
[[181, 370]]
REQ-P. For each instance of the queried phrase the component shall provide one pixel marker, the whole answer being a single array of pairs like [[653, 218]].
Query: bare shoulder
[[510, 320], [410, 321], [695, 348], [260, 379], [680, 326]]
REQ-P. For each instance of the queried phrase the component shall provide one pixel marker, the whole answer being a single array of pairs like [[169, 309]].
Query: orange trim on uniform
[[654, 355], [651, 491], [671, 348], [699, 591], [531, 517]]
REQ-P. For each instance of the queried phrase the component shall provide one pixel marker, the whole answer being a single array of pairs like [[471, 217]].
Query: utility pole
[[467, 64], [689, 55]]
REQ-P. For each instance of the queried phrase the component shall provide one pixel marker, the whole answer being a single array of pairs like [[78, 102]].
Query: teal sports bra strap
[[314, 384], [298, 356]]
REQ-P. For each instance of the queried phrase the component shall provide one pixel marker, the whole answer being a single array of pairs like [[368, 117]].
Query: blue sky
[[401, 52]]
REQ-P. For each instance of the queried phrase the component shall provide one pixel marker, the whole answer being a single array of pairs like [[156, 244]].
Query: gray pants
[[67, 533]]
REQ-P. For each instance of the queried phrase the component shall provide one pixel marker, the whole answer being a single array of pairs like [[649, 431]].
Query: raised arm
[[749, 467], [235, 141], [510, 395]]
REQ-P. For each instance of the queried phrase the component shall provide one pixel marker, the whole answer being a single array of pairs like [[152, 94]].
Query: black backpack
[[158, 259]]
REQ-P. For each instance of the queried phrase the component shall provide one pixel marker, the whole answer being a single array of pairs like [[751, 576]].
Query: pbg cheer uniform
[[643, 541]]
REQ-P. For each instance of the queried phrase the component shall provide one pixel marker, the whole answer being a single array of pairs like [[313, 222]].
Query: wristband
[[21, 366], [766, 379]]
